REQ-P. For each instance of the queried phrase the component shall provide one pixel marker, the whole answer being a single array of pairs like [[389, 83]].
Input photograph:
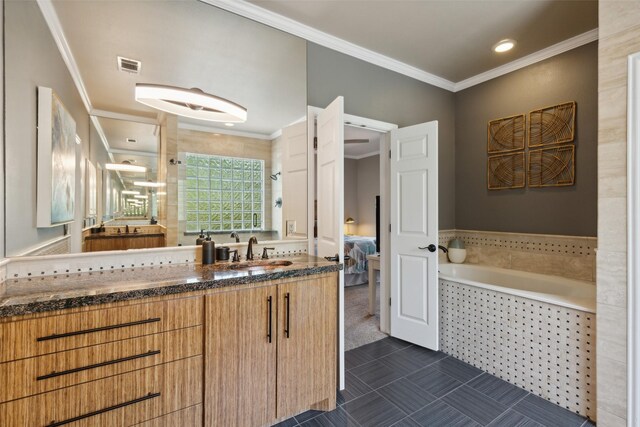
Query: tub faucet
[[443, 249], [252, 241]]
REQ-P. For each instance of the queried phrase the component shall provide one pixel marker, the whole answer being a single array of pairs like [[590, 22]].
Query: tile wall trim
[[573, 257], [31, 266]]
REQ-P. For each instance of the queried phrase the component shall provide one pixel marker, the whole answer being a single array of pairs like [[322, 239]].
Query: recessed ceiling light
[[131, 140], [140, 196], [504, 45], [130, 192], [229, 124], [216, 134]]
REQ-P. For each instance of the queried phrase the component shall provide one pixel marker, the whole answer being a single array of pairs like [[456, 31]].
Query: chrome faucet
[[252, 241], [236, 235]]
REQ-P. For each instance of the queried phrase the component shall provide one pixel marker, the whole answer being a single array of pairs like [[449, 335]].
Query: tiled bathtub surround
[[572, 257], [543, 348]]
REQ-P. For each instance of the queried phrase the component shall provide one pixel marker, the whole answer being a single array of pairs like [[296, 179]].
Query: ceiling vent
[[131, 140], [129, 65]]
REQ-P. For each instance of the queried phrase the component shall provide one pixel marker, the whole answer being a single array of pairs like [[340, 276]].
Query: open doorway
[[361, 235]]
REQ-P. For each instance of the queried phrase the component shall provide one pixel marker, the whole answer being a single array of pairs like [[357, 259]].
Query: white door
[[294, 181], [330, 184], [414, 234]]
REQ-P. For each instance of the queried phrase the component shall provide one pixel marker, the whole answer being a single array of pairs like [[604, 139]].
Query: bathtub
[[555, 290], [532, 330]]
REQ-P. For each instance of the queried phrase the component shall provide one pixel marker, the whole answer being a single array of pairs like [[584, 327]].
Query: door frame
[[385, 211], [633, 247]]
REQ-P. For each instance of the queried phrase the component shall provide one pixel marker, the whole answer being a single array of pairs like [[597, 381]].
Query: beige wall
[[619, 37]]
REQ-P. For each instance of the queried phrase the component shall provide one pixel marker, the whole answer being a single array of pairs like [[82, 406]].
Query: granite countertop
[[47, 293], [97, 236]]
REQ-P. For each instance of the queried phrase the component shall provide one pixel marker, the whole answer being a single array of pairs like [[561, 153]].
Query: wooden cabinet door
[[307, 319], [240, 368]]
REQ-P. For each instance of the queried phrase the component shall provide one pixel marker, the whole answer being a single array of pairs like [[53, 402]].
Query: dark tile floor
[[394, 383]]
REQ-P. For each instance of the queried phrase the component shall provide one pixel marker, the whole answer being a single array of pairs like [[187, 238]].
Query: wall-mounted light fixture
[[149, 184], [124, 167]]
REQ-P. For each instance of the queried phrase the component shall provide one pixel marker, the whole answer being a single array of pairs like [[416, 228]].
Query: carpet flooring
[[360, 327]]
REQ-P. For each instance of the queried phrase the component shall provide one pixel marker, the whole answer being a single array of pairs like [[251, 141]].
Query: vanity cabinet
[[271, 351], [245, 355], [102, 366]]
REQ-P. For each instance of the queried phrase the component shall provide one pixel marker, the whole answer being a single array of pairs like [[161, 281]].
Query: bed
[[357, 247]]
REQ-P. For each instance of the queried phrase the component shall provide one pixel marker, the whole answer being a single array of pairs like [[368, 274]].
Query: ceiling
[[189, 44], [450, 39], [361, 150]]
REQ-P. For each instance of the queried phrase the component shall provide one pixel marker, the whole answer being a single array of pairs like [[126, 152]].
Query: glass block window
[[224, 193]]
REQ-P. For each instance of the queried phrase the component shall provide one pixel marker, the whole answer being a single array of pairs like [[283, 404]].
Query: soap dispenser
[[200, 238], [208, 251]]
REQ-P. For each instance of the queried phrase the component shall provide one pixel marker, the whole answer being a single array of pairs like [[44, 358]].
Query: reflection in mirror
[[190, 175]]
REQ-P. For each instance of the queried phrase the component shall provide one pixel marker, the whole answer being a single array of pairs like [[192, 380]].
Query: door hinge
[[389, 153], [389, 302], [389, 228], [315, 142]]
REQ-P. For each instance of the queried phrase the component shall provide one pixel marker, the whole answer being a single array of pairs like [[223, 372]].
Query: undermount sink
[[260, 265]]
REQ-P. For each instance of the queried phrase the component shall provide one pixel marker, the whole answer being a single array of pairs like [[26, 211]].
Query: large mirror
[[174, 175]]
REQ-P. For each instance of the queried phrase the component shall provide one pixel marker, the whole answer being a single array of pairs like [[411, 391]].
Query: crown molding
[[541, 55], [51, 18], [288, 25], [128, 117], [210, 129], [362, 156]]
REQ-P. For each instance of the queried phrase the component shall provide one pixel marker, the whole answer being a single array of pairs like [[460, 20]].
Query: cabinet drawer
[[46, 335], [120, 400], [189, 417], [35, 375]]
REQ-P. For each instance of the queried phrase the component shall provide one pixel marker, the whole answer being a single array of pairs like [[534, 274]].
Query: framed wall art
[[506, 134], [506, 171], [56, 177], [552, 167], [91, 208], [552, 125]]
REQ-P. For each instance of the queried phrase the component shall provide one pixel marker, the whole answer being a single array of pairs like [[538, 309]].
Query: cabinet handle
[[287, 300], [97, 365], [269, 303], [100, 329], [102, 411]]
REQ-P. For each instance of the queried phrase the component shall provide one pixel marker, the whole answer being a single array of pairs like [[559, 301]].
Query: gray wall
[[351, 192], [368, 189], [32, 59], [376, 93], [361, 186], [572, 76]]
